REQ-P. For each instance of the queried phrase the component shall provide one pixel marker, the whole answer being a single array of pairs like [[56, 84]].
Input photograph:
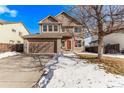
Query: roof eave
[[41, 21], [68, 15]]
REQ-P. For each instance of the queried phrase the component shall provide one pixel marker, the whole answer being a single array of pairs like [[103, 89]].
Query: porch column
[[58, 45], [73, 42], [27, 47]]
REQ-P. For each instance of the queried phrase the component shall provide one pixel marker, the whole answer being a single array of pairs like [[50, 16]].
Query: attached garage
[[43, 46], [42, 43]]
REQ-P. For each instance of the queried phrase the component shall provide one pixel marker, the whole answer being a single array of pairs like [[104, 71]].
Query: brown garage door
[[43, 47]]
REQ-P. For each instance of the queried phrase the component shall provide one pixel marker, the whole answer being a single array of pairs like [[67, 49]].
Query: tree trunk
[[100, 46]]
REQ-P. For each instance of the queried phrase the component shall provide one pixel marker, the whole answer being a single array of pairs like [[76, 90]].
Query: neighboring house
[[59, 33], [114, 41], [94, 41], [12, 32]]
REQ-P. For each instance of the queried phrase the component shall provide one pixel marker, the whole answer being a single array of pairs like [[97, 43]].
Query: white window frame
[[56, 28], [46, 28], [78, 44], [50, 30]]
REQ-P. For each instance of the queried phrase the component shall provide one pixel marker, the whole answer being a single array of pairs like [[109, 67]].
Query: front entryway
[[69, 44]]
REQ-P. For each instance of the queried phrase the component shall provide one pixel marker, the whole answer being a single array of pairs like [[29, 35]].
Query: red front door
[[68, 44]]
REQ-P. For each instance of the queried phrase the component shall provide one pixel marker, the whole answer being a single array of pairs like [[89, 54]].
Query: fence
[[114, 48], [111, 48], [11, 47], [93, 49]]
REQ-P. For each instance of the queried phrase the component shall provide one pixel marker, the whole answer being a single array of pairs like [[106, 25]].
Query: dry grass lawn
[[109, 64]]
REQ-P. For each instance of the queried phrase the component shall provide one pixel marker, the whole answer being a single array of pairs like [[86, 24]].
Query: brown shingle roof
[[5, 22], [2, 21], [48, 35], [75, 20]]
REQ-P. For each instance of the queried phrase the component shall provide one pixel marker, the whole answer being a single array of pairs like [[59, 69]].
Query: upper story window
[[55, 28], [50, 27], [18, 42], [45, 28], [13, 30], [77, 29]]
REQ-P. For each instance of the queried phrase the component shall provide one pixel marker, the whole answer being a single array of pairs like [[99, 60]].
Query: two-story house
[[59, 33], [12, 32]]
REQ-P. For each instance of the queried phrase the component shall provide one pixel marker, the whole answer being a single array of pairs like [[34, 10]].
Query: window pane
[[44, 28], [78, 43], [11, 41], [13, 30], [50, 27], [18, 42], [77, 29], [55, 28]]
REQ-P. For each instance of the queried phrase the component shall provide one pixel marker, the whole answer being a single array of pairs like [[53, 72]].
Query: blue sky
[[30, 15]]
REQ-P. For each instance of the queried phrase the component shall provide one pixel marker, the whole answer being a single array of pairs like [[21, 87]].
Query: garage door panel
[[42, 47]]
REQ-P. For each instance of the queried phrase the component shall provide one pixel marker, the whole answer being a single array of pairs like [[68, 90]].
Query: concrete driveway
[[19, 72]]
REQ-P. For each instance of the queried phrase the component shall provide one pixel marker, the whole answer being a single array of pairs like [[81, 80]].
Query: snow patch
[[71, 72], [7, 54]]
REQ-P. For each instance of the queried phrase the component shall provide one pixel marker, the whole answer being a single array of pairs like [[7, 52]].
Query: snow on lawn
[[70, 72], [106, 55], [7, 54]]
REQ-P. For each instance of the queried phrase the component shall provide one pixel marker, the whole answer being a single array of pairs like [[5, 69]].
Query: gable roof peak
[[46, 18], [69, 16], [61, 13]]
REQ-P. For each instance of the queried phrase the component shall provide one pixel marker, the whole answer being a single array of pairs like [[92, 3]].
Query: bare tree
[[36, 48], [99, 20]]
